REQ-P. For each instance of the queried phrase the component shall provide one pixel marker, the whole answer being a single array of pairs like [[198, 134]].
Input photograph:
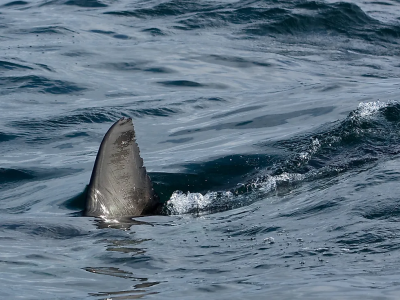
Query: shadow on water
[[77, 203]]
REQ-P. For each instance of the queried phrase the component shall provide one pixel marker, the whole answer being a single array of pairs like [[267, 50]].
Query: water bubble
[[269, 240]]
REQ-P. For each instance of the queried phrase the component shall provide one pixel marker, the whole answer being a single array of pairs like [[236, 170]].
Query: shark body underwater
[[119, 186]]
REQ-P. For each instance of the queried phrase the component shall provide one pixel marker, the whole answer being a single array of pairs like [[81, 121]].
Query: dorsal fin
[[119, 185]]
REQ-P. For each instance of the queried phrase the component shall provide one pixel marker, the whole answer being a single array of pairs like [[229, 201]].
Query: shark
[[119, 185]]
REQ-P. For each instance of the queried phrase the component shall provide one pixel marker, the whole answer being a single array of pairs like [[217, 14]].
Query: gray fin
[[119, 185]]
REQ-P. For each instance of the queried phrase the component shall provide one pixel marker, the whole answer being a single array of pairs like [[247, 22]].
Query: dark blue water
[[271, 131]]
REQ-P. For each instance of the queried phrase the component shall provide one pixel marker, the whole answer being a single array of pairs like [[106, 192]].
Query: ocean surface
[[270, 128]]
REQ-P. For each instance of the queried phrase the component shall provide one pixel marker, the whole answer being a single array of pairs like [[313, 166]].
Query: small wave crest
[[181, 203], [367, 134], [211, 202], [366, 109]]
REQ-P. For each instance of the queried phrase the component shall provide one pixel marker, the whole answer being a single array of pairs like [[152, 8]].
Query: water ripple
[[38, 84]]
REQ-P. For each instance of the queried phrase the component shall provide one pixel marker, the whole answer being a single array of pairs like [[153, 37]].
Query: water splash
[[366, 109], [181, 203], [361, 138], [198, 203]]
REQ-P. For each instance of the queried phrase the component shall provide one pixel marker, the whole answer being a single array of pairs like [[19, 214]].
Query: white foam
[[181, 203], [366, 109], [315, 146], [184, 203]]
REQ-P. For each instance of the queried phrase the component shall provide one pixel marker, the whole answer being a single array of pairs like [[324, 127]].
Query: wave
[[39, 129], [142, 66], [6, 65], [272, 18], [259, 122], [43, 230], [345, 19], [86, 3], [38, 84], [45, 30], [165, 9], [10, 175], [4, 137], [369, 133], [78, 3], [15, 3]]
